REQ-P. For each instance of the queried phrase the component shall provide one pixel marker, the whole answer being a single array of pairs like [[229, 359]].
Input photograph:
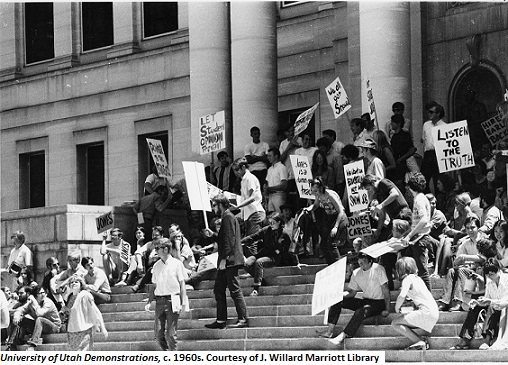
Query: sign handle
[[205, 219]]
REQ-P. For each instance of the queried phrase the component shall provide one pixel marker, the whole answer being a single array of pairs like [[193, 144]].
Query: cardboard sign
[[158, 156], [453, 146], [213, 191], [104, 222], [212, 132], [495, 130], [329, 286], [303, 175], [338, 98], [358, 226], [378, 249], [358, 199], [303, 120], [196, 185], [208, 262], [370, 101]]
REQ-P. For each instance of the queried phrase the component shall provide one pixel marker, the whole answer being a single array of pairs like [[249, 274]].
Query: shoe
[[135, 288], [337, 340], [484, 346], [460, 347], [455, 308], [324, 334], [216, 325], [420, 345], [254, 293], [189, 287], [239, 324], [442, 307], [245, 276], [30, 348], [121, 283]]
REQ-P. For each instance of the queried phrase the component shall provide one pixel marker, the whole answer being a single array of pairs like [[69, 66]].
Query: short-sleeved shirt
[[276, 174], [376, 167], [156, 181], [3, 304], [369, 281], [428, 141], [383, 191], [21, 255], [500, 291], [251, 182], [188, 255], [99, 280], [257, 149], [167, 276], [282, 148], [421, 210], [309, 152]]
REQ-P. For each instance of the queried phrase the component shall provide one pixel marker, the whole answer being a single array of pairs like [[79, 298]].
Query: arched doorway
[[474, 94]]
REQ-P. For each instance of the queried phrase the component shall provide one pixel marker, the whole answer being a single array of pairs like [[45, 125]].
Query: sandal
[[420, 345], [460, 347], [427, 345]]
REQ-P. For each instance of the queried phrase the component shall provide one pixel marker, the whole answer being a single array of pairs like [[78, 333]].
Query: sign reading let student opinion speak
[[212, 133], [158, 156], [338, 98], [453, 146]]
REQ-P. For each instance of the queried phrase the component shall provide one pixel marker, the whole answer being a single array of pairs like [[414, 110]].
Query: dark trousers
[[165, 323], [419, 252], [364, 308], [430, 168], [492, 327], [229, 279]]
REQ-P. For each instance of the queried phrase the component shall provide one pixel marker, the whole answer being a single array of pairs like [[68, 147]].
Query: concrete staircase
[[280, 320]]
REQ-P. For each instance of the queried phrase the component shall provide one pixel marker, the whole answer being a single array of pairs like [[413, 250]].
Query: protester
[[223, 176], [276, 182], [62, 280], [48, 283], [96, 282], [153, 181], [20, 257], [115, 257], [429, 164], [255, 154], [47, 319]]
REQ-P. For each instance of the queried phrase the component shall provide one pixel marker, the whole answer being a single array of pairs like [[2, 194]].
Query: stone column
[[210, 66], [385, 51], [254, 71], [126, 18], [66, 23], [10, 57]]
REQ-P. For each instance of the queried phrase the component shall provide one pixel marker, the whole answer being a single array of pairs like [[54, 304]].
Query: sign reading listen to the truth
[[453, 146]]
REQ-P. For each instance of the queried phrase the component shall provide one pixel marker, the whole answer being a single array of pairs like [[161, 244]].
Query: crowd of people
[[449, 225]]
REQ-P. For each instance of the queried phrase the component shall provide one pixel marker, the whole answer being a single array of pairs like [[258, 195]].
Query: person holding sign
[[429, 167], [371, 279], [154, 180], [253, 212], [374, 164], [116, 257], [331, 217]]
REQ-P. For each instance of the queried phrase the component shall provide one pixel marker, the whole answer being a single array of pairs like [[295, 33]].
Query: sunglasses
[[73, 260], [56, 264]]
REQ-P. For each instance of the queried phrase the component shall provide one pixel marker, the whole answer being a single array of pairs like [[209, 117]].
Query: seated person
[[146, 257], [62, 279], [495, 289], [205, 245], [371, 279], [115, 257], [96, 282], [48, 282]]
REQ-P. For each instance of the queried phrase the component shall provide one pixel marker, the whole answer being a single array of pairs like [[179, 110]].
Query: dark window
[[90, 166], [32, 180], [145, 157], [159, 18], [39, 34], [97, 25]]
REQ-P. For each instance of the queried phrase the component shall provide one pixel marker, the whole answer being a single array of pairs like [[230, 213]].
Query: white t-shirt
[[250, 182], [369, 281], [309, 152], [421, 209], [167, 276], [276, 174], [22, 256], [428, 141], [376, 168], [257, 149]]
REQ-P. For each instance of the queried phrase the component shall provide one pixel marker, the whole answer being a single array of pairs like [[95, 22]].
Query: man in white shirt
[[20, 257], [430, 167], [287, 148], [306, 149], [252, 209], [170, 295], [276, 182], [255, 153], [96, 281]]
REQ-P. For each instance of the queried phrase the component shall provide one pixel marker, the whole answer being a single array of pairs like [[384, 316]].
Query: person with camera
[[20, 257]]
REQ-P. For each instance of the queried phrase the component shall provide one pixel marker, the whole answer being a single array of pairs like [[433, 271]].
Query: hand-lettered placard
[[453, 146]]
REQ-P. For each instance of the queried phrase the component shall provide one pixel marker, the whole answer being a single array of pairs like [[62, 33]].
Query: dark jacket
[[228, 241], [265, 243]]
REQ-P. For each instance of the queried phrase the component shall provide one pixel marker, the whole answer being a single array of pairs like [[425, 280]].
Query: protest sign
[[158, 156], [378, 249], [212, 132], [196, 186], [208, 262], [329, 286], [338, 98], [453, 146], [358, 226], [358, 199], [104, 222], [495, 130], [370, 101], [303, 120], [213, 191], [303, 175]]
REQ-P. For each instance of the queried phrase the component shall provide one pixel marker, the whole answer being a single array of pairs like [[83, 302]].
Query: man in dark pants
[[371, 279], [229, 261]]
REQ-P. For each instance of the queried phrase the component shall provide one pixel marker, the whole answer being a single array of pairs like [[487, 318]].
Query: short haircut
[[255, 129], [398, 119], [330, 133], [489, 195], [398, 105], [275, 151], [430, 197], [430, 105], [366, 117], [440, 111], [369, 180], [140, 229], [447, 181], [323, 141], [277, 217], [86, 260], [472, 219], [19, 235], [318, 181], [491, 265], [363, 255], [222, 200], [359, 122], [117, 231], [350, 151], [417, 182], [74, 255], [165, 243], [158, 229], [50, 261], [222, 154], [402, 226], [405, 266], [242, 161]]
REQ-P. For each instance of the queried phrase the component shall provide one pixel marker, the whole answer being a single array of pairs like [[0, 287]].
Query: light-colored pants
[[275, 200]]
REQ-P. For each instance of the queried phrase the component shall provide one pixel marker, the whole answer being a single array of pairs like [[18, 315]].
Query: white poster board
[[303, 175], [378, 249], [369, 95], [453, 146], [338, 98], [213, 191], [358, 199], [212, 132], [358, 226], [208, 262], [196, 185], [158, 156], [329, 286], [104, 222], [303, 120], [495, 130]]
